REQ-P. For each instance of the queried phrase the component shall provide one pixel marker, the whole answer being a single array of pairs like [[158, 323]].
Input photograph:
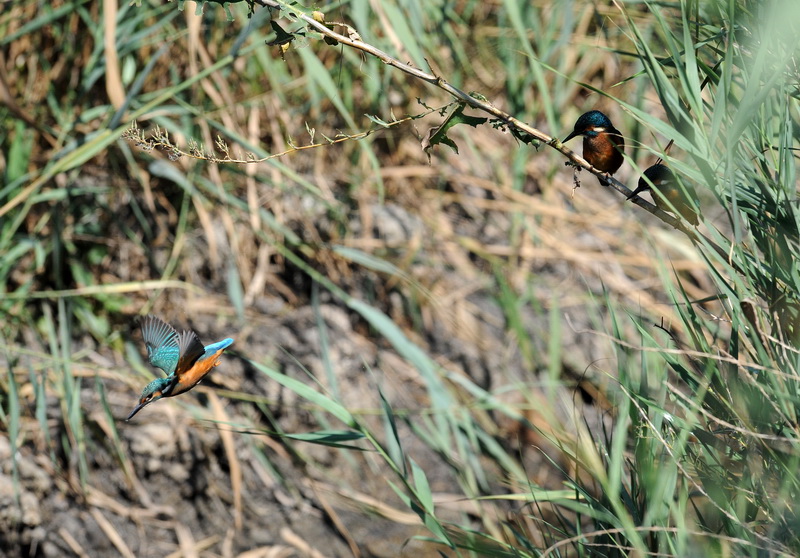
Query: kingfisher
[[671, 196], [180, 355], [603, 144]]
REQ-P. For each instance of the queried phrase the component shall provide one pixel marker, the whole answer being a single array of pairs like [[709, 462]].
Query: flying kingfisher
[[671, 196], [181, 355], [603, 144]]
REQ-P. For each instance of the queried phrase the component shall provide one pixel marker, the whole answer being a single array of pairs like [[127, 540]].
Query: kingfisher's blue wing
[[190, 349], [161, 341]]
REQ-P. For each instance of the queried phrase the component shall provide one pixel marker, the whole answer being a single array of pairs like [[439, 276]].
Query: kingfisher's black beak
[[642, 187], [572, 135], [136, 409]]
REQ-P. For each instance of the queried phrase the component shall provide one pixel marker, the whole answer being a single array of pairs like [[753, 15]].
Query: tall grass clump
[[725, 416]]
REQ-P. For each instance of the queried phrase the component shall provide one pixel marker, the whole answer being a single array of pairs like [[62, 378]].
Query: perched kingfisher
[[181, 355], [603, 144], [668, 189]]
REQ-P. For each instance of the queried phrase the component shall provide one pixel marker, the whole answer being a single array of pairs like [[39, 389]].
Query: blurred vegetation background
[[468, 355]]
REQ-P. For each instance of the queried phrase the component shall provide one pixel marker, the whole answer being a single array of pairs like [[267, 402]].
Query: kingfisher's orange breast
[[679, 203], [187, 380], [604, 151]]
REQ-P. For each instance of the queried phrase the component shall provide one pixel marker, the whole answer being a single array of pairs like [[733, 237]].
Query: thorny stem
[[160, 140]]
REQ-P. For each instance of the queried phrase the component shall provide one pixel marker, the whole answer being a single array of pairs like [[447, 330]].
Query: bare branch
[[353, 40]]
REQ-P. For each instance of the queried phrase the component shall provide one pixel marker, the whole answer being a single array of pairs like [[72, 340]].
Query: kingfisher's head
[[658, 175], [153, 391], [590, 124]]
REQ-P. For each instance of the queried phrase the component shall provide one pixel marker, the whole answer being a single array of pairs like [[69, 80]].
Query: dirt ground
[[172, 482]]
